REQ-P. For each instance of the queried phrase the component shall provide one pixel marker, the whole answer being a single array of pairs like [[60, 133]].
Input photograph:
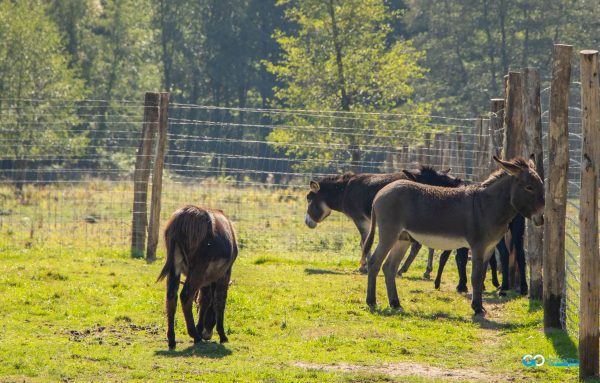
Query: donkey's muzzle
[[538, 219], [309, 222]]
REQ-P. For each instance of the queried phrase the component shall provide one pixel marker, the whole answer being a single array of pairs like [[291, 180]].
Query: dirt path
[[400, 369]]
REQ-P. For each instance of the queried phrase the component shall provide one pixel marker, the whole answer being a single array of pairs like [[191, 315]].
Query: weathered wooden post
[[142, 173], [513, 145], [532, 123], [159, 160], [589, 302], [556, 187]]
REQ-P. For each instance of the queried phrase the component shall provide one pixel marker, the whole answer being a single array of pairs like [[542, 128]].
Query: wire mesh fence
[[571, 292], [66, 168], [66, 171]]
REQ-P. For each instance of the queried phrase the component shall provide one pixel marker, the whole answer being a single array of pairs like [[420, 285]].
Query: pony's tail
[[369, 240], [170, 262]]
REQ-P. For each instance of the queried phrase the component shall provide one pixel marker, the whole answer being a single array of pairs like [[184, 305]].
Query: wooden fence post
[[513, 146], [532, 123], [588, 217], [159, 160], [556, 188], [142, 173], [496, 122]]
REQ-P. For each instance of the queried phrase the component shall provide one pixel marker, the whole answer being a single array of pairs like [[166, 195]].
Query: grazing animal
[[352, 194], [474, 216], [201, 245]]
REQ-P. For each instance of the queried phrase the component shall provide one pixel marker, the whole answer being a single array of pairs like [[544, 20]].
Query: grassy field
[[77, 307]]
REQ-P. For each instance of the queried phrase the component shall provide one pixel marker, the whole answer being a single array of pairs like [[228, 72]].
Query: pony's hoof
[[479, 311]]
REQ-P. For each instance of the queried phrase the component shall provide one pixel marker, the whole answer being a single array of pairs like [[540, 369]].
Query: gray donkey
[[450, 218]]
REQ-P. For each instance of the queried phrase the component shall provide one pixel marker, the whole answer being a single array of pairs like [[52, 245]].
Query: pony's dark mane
[[336, 178], [500, 173], [427, 169]]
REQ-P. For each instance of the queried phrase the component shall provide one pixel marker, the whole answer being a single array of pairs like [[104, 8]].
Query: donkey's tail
[[369, 240], [170, 262]]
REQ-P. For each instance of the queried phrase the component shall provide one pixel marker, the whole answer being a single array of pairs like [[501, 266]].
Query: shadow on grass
[[205, 349], [311, 271], [563, 345]]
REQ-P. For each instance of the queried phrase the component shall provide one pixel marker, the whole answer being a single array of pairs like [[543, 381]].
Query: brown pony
[[200, 245]]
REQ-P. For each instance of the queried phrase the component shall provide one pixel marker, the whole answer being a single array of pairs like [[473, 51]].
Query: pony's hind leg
[[390, 267], [171, 305], [220, 299], [190, 287], [205, 310]]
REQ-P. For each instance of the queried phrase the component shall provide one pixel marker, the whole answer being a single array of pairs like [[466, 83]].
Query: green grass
[[78, 308]]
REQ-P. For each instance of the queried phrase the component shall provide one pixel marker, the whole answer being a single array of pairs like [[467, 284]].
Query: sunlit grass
[[77, 307]]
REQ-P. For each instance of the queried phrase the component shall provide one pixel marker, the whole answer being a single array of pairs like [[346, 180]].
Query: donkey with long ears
[[475, 216], [352, 194], [201, 245]]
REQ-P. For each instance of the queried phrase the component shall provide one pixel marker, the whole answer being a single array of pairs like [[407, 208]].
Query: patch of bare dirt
[[400, 369]]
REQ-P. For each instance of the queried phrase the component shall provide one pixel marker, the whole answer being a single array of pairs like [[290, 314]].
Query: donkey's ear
[[314, 186], [509, 167], [410, 175], [531, 161], [446, 171]]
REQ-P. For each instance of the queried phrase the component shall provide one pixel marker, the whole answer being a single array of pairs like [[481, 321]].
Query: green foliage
[[471, 44], [34, 66], [339, 58]]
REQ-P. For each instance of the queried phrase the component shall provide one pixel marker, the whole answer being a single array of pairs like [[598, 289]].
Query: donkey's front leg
[[477, 276], [171, 305], [480, 259], [363, 227]]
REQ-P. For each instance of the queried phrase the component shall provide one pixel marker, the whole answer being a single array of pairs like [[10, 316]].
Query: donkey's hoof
[[436, 284], [524, 290], [502, 293], [400, 273], [372, 302], [462, 289], [172, 345], [223, 339], [363, 269], [495, 283], [395, 304], [426, 275]]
